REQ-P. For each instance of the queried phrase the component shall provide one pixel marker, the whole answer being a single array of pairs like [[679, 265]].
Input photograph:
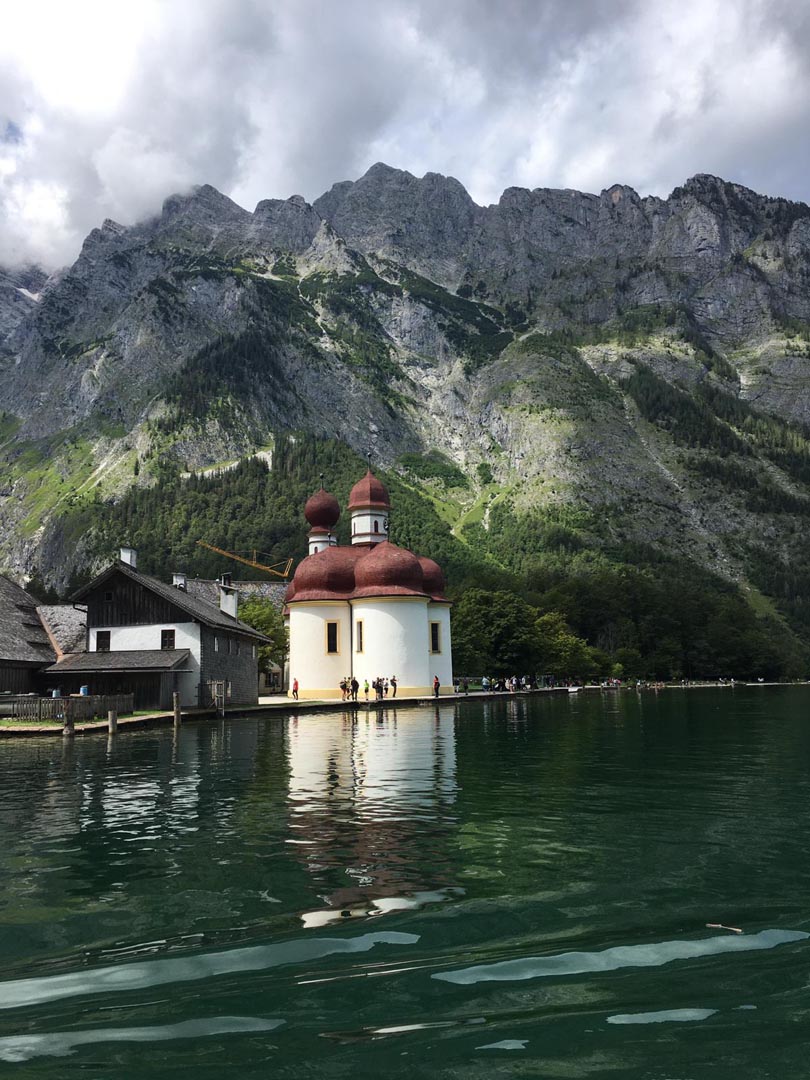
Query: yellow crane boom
[[287, 564]]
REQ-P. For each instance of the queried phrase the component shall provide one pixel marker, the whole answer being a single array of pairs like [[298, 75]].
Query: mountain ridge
[[639, 361]]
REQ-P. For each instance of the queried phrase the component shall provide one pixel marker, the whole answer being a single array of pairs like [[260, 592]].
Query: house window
[[108, 596], [359, 634], [216, 644], [238, 644], [167, 639], [102, 640], [253, 652], [332, 637], [435, 638], [229, 646]]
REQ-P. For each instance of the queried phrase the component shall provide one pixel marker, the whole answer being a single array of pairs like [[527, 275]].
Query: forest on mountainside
[[533, 592]]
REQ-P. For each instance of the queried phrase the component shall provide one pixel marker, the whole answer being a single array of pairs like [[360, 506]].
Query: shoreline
[[280, 703]]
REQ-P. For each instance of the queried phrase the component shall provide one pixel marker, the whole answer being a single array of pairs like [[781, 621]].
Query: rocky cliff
[[641, 361]]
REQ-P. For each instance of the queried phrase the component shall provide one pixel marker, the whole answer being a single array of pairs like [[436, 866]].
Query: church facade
[[366, 610]]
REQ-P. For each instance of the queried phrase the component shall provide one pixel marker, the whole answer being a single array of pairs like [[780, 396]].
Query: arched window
[[376, 526]]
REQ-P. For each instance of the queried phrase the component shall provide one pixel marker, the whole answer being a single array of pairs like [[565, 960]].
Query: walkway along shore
[[283, 704]]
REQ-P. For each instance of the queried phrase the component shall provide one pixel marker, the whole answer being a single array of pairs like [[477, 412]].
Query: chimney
[[179, 581], [228, 597], [129, 556]]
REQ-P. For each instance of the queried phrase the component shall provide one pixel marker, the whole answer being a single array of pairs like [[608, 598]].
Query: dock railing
[[78, 708]]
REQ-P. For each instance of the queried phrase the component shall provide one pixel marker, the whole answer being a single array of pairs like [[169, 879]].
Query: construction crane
[[287, 564]]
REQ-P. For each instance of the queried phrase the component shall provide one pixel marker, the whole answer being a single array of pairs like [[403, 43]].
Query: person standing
[[295, 689], [365, 689], [355, 687], [436, 685], [393, 686]]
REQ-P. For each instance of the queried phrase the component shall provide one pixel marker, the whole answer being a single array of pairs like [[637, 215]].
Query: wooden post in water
[[112, 721], [176, 706]]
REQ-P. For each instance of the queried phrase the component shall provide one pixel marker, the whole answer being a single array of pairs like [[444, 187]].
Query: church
[[368, 609]]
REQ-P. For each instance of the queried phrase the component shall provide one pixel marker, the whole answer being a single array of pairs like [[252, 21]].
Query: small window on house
[[102, 640], [376, 525], [230, 645], [238, 644], [359, 634], [216, 644], [332, 637], [228, 689], [108, 596], [435, 638], [253, 652], [167, 639]]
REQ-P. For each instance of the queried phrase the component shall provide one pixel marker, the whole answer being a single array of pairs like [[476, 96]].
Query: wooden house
[[150, 639], [24, 645]]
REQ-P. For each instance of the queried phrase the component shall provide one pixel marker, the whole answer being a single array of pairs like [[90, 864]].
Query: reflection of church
[[366, 610], [371, 804]]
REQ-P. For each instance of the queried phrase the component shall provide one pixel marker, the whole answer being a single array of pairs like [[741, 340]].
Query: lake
[[518, 887]]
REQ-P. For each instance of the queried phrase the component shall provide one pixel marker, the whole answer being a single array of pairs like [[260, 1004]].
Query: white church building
[[366, 610]]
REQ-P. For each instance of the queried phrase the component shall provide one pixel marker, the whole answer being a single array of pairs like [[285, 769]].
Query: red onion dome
[[433, 577], [327, 575], [322, 510], [369, 493], [290, 592], [388, 570]]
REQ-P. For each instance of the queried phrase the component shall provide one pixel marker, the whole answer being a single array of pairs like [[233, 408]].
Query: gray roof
[[67, 626], [22, 636], [205, 589], [133, 660], [202, 610]]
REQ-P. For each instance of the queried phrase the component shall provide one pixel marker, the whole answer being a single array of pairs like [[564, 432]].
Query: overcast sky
[[108, 106]]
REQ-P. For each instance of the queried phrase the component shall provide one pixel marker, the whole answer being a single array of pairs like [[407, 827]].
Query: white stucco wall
[[363, 526], [318, 672], [442, 663], [395, 641], [186, 636]]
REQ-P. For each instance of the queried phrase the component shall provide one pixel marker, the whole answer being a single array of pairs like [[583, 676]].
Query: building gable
[[121, 600]]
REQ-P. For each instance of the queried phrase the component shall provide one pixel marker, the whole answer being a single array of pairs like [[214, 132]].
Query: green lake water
[[512, 888]]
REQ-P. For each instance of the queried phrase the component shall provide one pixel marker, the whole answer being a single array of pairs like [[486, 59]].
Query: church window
[[359, 635], [376, 525], [332, 637], [435, 638]]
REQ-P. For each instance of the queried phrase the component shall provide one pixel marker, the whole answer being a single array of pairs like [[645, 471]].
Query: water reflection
[[369, 793]]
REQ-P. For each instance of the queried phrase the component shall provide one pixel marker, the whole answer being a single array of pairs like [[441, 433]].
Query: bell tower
[[370, 507]]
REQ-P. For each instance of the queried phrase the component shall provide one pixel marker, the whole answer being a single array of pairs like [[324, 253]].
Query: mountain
[[557, 373]]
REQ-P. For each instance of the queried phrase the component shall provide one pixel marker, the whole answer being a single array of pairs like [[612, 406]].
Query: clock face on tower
[[385, 524]]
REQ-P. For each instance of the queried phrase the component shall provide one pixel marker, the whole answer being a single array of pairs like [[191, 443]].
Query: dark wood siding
[[120, 601], [18, 678]]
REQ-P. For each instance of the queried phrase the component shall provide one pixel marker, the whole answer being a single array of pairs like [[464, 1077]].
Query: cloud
[[106, 109]]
